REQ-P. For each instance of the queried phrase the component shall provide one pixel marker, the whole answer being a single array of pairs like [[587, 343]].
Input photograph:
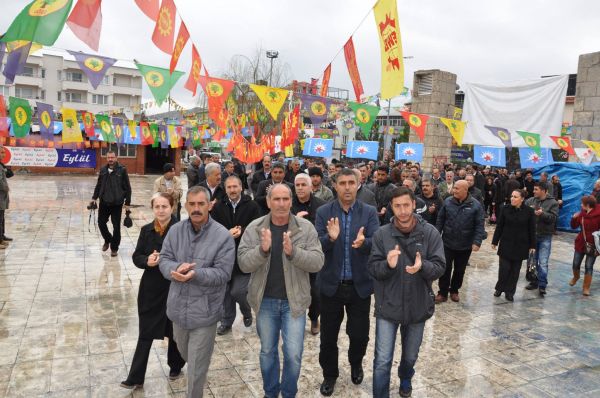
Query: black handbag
[[590, 248], [531, 273], [128, 222]]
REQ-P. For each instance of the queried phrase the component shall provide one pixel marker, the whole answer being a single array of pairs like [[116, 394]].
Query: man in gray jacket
[[407, 255], [280, 251], [197, 256]]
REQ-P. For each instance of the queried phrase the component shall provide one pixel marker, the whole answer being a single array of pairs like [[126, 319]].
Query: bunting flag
[[46, 116], [217, 91], [155, 135], [3, 118], [364, 116], [532, 140], [409, 151], [317, 107], [88, 124], [163, 136], [489, 156], [291, 127], [417, 122], [326, 77], [503, 134], [71, 131], [108, 135], [173, 136], [39, 22], [16, 62], [197, 137], [86, 22], [159, 80], [147, 138], [593, 145], [132, 129], [164, 30], [350, 56], [272, 98], [362, 150], [94, 66], [318, 147], [456, 128], [149, 7], [118, 128], [586, 155], [20, 116], [392, 63], [531, 159], [182, 38], [564, 143]]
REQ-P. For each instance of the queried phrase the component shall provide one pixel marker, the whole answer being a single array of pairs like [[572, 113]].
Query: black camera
[[92, 206]]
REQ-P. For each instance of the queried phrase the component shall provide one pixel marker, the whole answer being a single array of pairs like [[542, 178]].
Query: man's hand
[[153, 259], [302, 214], [392, 257], [360, 238], [333, 228], [236, 231], [184, 272], [287, 243], [265, 240], [416, 266], [475, 248], [382, 211], [539, 212], [432, 208]]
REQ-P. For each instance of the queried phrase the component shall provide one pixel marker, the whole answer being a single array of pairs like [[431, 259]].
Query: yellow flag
[[289, 151], [173, 137], [132, 132], [456, 127], [71, 131], [392, 63], [594, 146], [271, 97]]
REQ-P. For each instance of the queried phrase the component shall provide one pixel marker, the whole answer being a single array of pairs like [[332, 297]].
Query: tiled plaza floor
[[68, 320]]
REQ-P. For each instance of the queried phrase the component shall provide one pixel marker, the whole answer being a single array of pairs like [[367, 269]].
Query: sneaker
[[223, 330], [130, 386], [454, 297], [405, 388], [440, 299], [531, 286], [175, 374], [542, 291]]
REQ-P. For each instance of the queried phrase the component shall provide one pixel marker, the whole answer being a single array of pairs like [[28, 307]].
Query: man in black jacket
[[382, 189], [432, 200], [192, 171], [461, 223], [261, 174], [235, 211], [407, 255], [276, 177], [113, 190], [213, 182]]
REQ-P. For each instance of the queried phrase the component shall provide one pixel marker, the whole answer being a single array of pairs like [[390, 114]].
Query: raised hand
[[265, 240], [287, 243], [360, 238], [333, 228], [392, 257], [416, 266]]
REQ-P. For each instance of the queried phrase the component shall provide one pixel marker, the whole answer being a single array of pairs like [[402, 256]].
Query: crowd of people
[[284, 238]]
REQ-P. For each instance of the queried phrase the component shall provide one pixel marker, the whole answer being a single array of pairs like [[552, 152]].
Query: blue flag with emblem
[[412, 151], [362, 150], [490, 155], [318, 147], [531, 160]]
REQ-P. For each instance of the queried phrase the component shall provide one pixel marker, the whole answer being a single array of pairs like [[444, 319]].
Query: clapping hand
[[333, 228], [265, 240], [287, 243], [153, 259], [184, 272], [392, 257], [360, 238], [417, 265]]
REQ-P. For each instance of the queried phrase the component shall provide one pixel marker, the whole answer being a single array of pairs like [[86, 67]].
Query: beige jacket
[[160, 185]]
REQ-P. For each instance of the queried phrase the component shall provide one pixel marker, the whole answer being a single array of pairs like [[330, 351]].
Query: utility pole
[[271, 54]]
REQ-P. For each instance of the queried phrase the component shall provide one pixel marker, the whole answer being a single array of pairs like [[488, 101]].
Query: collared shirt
[[212, 190], [234, 204], [346, 226]]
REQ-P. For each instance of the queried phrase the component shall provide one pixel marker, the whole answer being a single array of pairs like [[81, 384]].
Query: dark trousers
[[452, 281], [114, 212], [237, 290], [2, 227], [315, 301], [508, 275], [137, 373], [357, 328]]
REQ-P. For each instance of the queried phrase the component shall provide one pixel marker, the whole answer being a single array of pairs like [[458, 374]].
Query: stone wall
[[586, 115]]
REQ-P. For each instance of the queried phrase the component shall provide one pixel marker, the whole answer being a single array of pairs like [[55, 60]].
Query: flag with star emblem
[[502, 134], [271, 97], [532, 140], [594, 146], [20, 116], [159, 80], [586, 155], [71, 131], [318, 147], [531, 159], [164, 30], [489, 156], [362, 150], [94, 66], [409, 151], [456, 128], [417, 123], [564, 143], [364, 116]]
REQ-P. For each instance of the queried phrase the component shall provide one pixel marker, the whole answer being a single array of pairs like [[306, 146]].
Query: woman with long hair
[[588, 218]]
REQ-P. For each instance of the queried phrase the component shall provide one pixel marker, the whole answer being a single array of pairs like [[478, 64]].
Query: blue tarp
[[577, 180]]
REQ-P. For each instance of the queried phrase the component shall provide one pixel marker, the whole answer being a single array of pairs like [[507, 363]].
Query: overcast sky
[[480, 41]]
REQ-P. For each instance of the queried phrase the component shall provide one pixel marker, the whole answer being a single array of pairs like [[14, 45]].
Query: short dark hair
[[227, 163], [346, 172], [521, 192], [541, 185], [402, 191], [277, 165], [162, 195], [385, 169]]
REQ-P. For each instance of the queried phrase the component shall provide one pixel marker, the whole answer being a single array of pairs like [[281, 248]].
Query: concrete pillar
[[433, 94], [586, 111]]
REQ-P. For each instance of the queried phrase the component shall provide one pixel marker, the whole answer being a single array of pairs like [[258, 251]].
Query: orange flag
[[417, 122], [149, 7], [325, 85], [86, 22], [182, 38], [564, 143], [194, 76], [350, 56], [3, 118], [217, 91], [164, 31]]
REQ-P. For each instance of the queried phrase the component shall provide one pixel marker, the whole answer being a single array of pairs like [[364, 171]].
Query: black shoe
[[509, 297], [328, 386], [175, 374], [223, 330], [130, 386], [531, 286], [542, 291], [248, 321], [114, 253], [357, 374], [105, 247], [6, 238], [405, 389], [497, 293]]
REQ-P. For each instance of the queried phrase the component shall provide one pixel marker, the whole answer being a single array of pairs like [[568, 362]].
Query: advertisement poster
[[49, 157]]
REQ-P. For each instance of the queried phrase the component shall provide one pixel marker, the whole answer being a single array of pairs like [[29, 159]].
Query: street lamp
[[271, 54]]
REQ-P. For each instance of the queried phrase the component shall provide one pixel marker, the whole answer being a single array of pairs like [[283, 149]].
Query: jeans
[[589, 262], [542, 254], [452, 281], [385, 340], [114, 212], [275, 317]]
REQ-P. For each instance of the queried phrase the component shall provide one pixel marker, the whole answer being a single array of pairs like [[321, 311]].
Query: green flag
[[106, 128], [197, 138], [41, 21], [159, 80], [155, 136], [532, 140], [20, 116], [364, 115]]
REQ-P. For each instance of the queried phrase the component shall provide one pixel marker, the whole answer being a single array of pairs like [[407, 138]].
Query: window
[[122, 151], [75, 76], [106, 80], [59, 75], [99, 99], [27, 71], [74, 97], [5, 91], [43, 94], [43, 73], [59, 96], [424, 84], [24, 92]]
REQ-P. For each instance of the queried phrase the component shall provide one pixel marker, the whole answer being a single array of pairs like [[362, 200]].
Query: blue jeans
[[385, 340], [542, 254], [589, 262], [275, 317]]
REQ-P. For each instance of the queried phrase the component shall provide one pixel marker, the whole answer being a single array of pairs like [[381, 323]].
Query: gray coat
[[544, 223], [198, 302], [307, 256], [4, 200]]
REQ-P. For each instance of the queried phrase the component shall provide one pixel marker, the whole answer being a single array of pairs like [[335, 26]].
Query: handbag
[[590, 248], [493, 216], [531, 273]]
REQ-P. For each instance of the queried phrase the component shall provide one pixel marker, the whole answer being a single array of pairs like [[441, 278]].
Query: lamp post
[[271, 54]]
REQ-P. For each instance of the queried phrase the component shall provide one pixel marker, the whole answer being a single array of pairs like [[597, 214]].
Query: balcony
[[34, 80], [75, 85]]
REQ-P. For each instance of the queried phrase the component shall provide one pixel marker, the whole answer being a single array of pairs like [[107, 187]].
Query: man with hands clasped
[[407, 255]]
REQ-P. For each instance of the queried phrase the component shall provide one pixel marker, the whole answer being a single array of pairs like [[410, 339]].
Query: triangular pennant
[[417, 122], [502, 134], [164, 30], [182, 38], [564, 143], [271, 97], [149, 7], [159, 80], [456, 128], [594, 146], [586, 155], [532, 140], [94, 66], [364, 116], [86, 22]]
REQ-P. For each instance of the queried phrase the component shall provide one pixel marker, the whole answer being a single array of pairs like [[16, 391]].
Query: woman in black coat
[[516, 233], [152, 295], [489, 200]]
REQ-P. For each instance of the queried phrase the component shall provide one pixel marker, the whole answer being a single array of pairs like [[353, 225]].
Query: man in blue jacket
[[345, 227], [460, 222]]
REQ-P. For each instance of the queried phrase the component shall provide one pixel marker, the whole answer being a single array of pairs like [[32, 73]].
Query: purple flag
[[94, 66], [163, 135], [16, 62], [119, 129], [2, 51], [503, 134], [46, 119], [317, 107]]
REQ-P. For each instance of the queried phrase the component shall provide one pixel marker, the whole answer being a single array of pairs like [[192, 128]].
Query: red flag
[[86, 22], [325, 85], [194, 76], [564, 143], [164, 31], [182, 38], [147, 138], [350, 56], [217, 91], [3, 118], [417, 122], [88, 124], [149, 7]]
